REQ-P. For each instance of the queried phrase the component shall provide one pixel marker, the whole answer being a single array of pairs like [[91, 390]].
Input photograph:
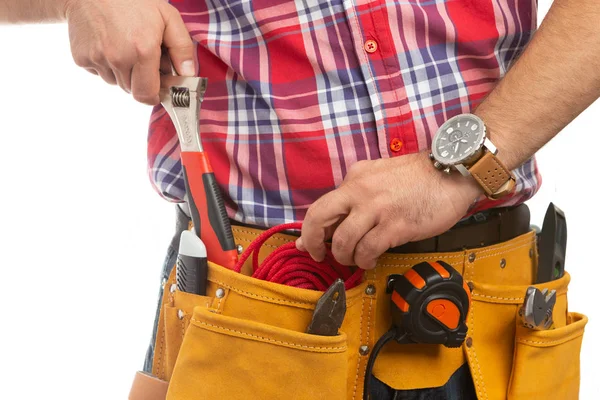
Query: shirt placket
[[375, 49]]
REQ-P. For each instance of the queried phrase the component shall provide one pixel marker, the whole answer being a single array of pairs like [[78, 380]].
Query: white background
[[83, 235]]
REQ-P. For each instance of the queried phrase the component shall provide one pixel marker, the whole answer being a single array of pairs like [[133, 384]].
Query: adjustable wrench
[[181, 97]]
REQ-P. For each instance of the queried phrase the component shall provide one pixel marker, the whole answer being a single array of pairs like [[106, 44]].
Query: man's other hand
[[382, 204], [121, 40]]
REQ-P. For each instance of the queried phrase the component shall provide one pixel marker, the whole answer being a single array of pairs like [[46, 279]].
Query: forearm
[[554, 80], [24, 11]]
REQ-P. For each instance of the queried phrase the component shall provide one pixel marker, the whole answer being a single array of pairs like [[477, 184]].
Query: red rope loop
[[289, 266]]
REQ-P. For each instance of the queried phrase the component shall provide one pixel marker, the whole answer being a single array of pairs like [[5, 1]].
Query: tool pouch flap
[[227, 357]]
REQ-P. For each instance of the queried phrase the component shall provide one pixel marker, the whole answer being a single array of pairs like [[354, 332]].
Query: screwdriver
[[192, 265]]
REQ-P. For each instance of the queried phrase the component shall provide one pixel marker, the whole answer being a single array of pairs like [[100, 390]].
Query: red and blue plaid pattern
[[295, 97]]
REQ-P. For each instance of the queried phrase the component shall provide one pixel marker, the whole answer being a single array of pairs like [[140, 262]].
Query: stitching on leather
[[510, 246], [358, 360], [420, 258], [219, 304], [251, 240], [503, 252], [455, 264], [549, 341], [497, 298], [471, 350], [159, 366], [256, 234], [269, 339], [261, 297]]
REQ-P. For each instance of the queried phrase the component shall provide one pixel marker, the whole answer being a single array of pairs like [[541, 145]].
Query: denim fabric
[[459, 387], [169, 263]]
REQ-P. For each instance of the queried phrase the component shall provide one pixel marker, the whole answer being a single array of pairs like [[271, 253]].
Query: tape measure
[[430, 304]]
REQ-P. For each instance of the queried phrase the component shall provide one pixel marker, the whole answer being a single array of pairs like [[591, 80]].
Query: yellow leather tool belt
[[246, 339]]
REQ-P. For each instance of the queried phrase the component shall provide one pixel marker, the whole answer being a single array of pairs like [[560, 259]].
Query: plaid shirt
[[300, 90]]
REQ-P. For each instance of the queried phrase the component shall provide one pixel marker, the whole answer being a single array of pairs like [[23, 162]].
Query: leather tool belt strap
[[247, 337]]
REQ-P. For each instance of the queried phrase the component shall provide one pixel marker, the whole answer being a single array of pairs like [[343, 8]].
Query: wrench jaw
[[181, 96]]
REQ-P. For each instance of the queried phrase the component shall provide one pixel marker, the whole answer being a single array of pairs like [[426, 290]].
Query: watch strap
[[495, 179]]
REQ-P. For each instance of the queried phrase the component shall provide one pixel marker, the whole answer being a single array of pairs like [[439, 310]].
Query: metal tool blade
[[537, 309], [330, 311]]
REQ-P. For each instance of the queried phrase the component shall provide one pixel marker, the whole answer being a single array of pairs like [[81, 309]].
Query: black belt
[[482, 229]]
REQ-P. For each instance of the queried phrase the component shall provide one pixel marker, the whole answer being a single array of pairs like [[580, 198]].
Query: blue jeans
[[459, 386]]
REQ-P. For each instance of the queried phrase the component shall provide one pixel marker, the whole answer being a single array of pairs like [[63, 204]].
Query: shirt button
[[370, 46], [396, 144]]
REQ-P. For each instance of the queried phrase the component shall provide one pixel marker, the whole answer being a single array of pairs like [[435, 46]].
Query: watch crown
[[431, 156], [447, 170], [438, 165]]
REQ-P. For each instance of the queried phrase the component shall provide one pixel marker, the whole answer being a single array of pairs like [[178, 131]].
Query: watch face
[[458, 139]]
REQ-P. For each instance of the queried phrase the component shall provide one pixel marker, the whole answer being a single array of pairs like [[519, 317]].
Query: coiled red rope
[[289, 266]]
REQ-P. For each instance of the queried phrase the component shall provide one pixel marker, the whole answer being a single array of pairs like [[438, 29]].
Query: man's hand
[[383, 204], [120, 40]]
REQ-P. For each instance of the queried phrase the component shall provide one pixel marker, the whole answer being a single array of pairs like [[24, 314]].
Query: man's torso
[[300, 90]]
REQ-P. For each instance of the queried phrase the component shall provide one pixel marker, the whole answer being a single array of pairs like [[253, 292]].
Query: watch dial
[[458, 139]]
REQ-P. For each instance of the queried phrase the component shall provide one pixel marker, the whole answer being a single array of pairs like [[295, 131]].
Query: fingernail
[[187, 68]]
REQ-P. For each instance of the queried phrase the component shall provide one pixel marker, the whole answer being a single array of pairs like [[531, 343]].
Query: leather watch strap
[[148, 387], [495, 179]]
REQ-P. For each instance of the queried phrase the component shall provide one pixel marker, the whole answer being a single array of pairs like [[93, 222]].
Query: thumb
[[177, 41]]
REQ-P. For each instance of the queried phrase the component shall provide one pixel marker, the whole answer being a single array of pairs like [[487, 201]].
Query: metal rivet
[[180, 314], [173, 288], [470, 285], [370, 290], [240, 249], [471, 257], [220, 293], [530, 253], [469, 342], [364, 350], [502, 263]]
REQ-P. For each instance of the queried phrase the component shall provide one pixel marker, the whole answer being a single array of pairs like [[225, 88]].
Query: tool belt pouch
[[246, 338]]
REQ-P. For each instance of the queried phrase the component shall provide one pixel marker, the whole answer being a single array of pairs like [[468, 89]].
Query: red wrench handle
[[207, 209]]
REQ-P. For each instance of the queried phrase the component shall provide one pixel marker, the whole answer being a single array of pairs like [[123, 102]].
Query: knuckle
[[313, 212], [357, 167], [366, 250], [96, 56], [340, 242], [147, 49], [81, 60], [116, 59]]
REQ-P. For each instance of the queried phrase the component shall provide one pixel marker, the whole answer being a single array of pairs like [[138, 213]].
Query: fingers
[[145, 76], [376, 242], [107, 74], [176, 39], [122, 44], [321, 216], [349, 233]]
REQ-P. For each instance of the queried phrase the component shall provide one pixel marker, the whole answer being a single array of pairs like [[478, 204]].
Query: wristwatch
[[461, 144]]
